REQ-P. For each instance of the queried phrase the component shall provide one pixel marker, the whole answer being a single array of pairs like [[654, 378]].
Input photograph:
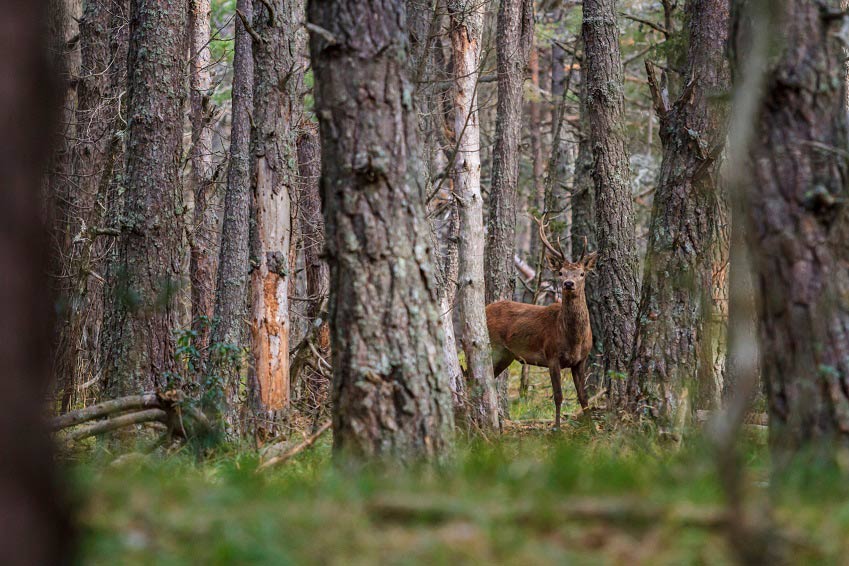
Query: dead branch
[[115, 423], [133, 402], [277, 460]]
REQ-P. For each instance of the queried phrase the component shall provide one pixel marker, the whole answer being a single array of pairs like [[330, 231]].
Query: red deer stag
[[557, 336]]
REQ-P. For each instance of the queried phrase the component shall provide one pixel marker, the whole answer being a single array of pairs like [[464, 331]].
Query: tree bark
[[204, 230], [35, 525], [390, 395], [680, 324], [277, 110], [97, 147], [231, 299], [615, 228], [798, 231], [465, 31], [140, 353], [584, 235], [514, 38]]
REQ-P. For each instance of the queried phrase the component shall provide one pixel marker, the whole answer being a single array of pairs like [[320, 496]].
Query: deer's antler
[[556, 252]]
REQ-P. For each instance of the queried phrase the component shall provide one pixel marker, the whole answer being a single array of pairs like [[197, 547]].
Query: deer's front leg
[[579, 376], [554, 370]]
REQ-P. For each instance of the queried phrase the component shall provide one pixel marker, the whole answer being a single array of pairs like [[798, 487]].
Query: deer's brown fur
[[557, 336]]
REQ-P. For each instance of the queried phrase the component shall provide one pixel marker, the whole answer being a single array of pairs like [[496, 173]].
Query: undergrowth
[[493, 501]]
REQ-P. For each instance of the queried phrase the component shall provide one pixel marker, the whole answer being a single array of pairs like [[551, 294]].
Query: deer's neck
[[575, 321]]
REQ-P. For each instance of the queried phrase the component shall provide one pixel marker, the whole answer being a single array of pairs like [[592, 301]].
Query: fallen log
[[277, 460], [106, 408], [115, 423]]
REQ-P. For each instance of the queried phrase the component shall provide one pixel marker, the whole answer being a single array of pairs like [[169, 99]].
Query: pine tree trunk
[[94, 155], [615, 229], [277, 110], [231, 302], [140, 348], [798, 231], [204, 230], [466, 27], [688, 239], [390, 394], [584, 235], [35, 524]]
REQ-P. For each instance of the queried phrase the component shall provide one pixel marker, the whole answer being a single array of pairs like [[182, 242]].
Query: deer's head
[[571, 275]]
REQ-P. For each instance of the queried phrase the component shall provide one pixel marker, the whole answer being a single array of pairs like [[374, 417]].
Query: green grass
[[505, 501]]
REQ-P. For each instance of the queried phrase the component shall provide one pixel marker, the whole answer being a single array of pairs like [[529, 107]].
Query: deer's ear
[[589, 261], [553, 263]]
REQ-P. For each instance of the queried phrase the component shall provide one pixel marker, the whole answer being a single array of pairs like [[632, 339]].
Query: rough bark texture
[[679, 325], [465, 30], [277, 108], [231, 302], [798, 231], [140, 349], [513, 40], [615, 230], [390, 395], [204, 229], [103, 52], [34, 523], [584, 235]]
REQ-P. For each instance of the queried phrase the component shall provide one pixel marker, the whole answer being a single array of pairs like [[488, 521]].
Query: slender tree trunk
[[277, 110], [513, 42], [390, 394], [231, 302], [615, 228], [688, 235], [466, 27], [314, 384], [204, 230], [34, 523], [798, 231], [140, 349]]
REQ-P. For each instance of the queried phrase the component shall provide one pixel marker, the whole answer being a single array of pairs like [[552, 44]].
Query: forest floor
[[592, 493]]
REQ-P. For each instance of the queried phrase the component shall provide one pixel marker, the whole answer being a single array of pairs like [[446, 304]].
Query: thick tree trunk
[[615, 229], [390, 394], [679, 326], [231, 301], [277, 110], [140, 353], [466, 27], [34, 523], [94, 155], [204, 230], [584, 235], [798, 232]]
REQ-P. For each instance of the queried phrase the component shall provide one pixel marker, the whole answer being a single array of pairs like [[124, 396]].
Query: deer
[[556, 336]]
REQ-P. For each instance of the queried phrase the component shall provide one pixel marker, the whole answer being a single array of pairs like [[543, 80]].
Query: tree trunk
[[466, 26], [140, 350], [583, 235], [798, 232], [390, 395], [277, 110], [615, 230], [204, 230], [514, 37], [35, 523], [97, 146], [679, 325], [231, 301]]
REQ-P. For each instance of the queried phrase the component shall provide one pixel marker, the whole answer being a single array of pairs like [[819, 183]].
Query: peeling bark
[[466, 25]]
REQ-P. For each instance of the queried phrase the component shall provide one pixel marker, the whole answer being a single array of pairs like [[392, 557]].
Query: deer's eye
[[582, 274]]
